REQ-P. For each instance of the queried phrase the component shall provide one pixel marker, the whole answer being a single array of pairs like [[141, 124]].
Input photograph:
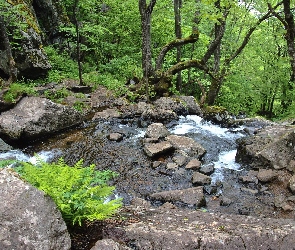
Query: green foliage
[[5, 163], [57, 95], [16, 90], [79, 106], [63, 67], [81, 193]]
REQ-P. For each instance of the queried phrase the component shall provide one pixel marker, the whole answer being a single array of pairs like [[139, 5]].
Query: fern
[[79, 192]]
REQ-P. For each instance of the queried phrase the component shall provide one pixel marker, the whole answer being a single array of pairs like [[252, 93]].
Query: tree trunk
[[146, 14], [178, 34], [214, 90], [290, 36], [289, 25], [12, 70], [75, 11]]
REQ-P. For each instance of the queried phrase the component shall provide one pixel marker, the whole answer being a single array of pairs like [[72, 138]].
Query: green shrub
[[80, 193], [57, 95], [17, 89], [62, 66], [5, 163]]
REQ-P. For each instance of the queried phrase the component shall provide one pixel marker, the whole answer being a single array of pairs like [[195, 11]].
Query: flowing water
[[137, 177]]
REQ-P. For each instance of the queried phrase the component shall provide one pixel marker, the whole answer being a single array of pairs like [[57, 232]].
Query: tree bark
[[290, 35], [289, 25], [178, 34], [175, 43], [78, 44], [146, 15]]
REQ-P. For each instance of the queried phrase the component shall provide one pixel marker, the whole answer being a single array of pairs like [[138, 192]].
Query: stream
[[137, 176]]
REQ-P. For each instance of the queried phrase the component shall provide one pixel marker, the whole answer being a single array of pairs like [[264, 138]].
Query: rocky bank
[[170, 203]]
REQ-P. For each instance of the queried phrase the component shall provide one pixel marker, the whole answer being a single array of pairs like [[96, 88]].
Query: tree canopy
[[238, 54]]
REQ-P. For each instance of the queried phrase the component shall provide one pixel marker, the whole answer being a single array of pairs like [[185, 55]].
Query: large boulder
[[4, 146], [154, 149], [174, 104], [157, 131], [28, 218], [30, 58], [191, 105], [153, 114], [186, 144], [190, 196], [190, 229], [35, 116], [272, 146]]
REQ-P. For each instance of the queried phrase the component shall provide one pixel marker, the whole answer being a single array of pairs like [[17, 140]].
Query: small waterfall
[[18, 155], [212, 137]]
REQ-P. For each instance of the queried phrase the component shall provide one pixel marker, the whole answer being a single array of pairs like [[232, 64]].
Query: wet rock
[[80, 89], [188, 229], [291, 198], [108, 244], [35, 116], [172, 166], [244, 211], [152, 115], [153, 149], [103, 98], [266, 175], [180, 160], [217, 115], [272, 146], [224, 201], [4, 146], [207, 169], [29, 218], [107, 114], [287, 208], [191, 105], [250, 191], [251, 177], [156, 130], [156, 164], [292, 184], [168, 103], [167, 206], [150, 140], [200, 179], [115, 137], [191, 196], [279, 201], [193, 164], [188, 145], [211, 189], [291, 166], [139, 203]]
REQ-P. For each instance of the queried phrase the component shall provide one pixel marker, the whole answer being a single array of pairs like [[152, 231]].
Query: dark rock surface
[[188, 230], [191, 196], [200, 179], [186, 144], [4, 146], [157, 131], [153, 149], [28, 218], [272, 146], [34, 116]]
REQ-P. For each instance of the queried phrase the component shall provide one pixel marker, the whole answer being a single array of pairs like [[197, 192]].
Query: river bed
[[137, 177]]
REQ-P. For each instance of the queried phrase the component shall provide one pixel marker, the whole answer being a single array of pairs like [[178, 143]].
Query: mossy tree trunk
[[178, 34], [287, 19]]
